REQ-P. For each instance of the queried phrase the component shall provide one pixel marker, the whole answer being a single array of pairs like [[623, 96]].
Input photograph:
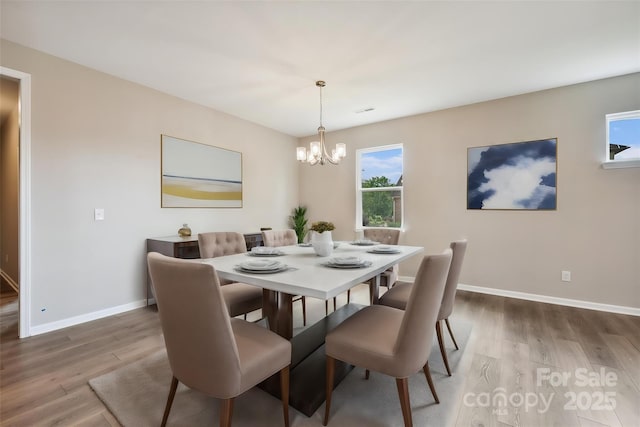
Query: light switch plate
[[98, 214]]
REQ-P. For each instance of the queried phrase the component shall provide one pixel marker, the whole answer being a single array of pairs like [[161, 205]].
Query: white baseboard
[[88, 317], [620, 309]]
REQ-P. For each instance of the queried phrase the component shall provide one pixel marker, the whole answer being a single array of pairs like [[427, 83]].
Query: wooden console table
[[187, 248]]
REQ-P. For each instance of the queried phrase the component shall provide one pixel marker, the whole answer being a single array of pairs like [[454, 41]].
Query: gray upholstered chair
[[391, 341], [400, 294], [274, 238], [241, 298], [208, 350]]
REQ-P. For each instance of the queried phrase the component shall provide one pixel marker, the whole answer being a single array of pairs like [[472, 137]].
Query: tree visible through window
[[379, 187]]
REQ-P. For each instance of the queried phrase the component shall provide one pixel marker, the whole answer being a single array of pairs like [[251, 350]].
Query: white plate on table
[[364, 243], [281, 268], [265, 251], [364, 264], [384, 250], [260, 265], [347, 262]]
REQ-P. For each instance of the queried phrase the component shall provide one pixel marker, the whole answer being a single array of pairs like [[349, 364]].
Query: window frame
[[620, 163], [360, 190]]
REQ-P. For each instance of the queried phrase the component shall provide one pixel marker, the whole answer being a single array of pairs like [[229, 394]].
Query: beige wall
[[595, 232], [9, 179], [96, 144]]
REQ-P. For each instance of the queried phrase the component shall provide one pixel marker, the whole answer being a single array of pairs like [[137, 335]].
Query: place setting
[[347, 262], [265, 251], [385, 250], [261, 267], [364, 242]]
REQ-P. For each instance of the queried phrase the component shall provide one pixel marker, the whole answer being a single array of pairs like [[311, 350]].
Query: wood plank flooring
[[43, 379]]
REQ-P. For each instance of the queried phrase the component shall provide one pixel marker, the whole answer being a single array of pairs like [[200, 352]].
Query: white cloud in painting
[[513, 184]]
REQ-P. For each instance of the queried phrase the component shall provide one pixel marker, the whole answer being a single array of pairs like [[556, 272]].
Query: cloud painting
[[512, 176]]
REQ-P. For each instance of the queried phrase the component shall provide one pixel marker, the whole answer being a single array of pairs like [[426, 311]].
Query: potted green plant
[[299, 222], [321, 237]]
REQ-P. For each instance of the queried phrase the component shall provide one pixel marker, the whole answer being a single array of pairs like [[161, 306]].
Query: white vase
[[322, 243]]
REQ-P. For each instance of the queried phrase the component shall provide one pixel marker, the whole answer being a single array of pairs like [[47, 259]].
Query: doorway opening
[[15, 212]]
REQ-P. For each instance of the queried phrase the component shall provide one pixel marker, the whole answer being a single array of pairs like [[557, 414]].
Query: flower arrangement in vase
[[321, 239]]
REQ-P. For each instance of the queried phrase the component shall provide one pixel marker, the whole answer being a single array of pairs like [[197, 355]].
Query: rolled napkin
[[261, 265], [346, 260]]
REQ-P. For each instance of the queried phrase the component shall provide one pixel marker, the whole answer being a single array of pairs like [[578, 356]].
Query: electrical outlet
[[566, 276]]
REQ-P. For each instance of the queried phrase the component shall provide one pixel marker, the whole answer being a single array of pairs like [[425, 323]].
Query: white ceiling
[[260, 60]]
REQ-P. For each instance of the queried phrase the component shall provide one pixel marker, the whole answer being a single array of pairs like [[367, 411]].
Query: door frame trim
[[24, 114]]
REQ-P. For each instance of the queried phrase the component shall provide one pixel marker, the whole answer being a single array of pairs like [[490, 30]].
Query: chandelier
[[317, 153]]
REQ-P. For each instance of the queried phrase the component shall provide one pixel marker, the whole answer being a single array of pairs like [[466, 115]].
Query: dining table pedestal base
[[308, 364]]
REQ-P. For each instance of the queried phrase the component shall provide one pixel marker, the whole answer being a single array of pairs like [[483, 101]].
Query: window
[[623, 140], [379, 187]]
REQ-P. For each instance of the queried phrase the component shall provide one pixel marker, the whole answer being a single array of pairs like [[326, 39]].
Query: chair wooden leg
[[405, 402], [451, 333], [427, 374], [331, 368], [443, 351], [284, 391], [304, 311], [172, 394], [226, 411]]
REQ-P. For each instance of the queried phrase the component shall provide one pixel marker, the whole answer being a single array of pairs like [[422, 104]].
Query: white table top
[[307, 275]]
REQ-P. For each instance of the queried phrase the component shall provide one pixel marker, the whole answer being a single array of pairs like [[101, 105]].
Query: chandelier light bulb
[[301, 154]]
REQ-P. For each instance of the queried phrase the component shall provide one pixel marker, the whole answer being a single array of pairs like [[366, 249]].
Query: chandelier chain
[[320, 106]]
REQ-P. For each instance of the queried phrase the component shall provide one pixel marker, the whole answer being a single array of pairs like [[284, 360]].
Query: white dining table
[[308, 275]]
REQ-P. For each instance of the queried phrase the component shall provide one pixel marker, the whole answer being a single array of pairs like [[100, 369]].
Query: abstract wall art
[[197, 175], [516, 176]]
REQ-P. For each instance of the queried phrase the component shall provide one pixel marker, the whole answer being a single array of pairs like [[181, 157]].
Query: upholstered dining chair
[[400, 294], [274, 238], [241, 298], [392, 341], [208, 350]]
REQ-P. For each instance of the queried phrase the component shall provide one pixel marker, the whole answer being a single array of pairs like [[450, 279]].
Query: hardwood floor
[[43, 379]]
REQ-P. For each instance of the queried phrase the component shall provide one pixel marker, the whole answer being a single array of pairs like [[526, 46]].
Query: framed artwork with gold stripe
[[196, 175]]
